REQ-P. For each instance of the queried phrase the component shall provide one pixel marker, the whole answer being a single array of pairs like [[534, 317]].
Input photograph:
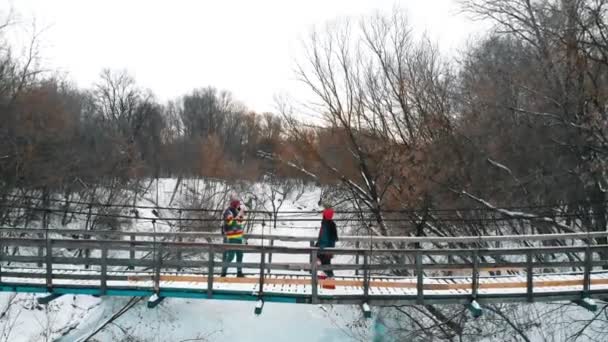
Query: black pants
[[326, 260]]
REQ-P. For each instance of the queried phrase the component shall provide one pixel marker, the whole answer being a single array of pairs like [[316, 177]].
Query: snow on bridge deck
[[134, 263], [298, 286]]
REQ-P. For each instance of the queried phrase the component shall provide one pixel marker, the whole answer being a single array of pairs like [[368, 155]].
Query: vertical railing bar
[[210, 272], [475, 278], [529, 276], [313, 274], [158, 262], [49, 263], [312, 245], [132, 251], [104, 269], [402, 257], [45, 226], [179, 252], [357, 246], [262, 267], [87, 251], [420, 278], [365, 275], [587, 270], [1, 255], [270, 254], [179, 239]]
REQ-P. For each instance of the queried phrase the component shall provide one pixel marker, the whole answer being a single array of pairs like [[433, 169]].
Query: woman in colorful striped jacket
[[233, 233]]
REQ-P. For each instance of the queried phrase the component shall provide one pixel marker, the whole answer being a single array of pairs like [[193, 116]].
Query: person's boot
[[240, 274], [223, 274]]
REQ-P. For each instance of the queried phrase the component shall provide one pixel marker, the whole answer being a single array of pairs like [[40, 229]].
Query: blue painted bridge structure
[[375, 271]]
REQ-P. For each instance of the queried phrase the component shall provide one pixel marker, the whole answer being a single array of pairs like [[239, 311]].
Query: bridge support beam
[[587, 303], [47, 299], [154, 300], [367, 311], [475, 308], [259, 305]]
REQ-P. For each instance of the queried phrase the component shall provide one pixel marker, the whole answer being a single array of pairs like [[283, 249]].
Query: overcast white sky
[[246, 46]]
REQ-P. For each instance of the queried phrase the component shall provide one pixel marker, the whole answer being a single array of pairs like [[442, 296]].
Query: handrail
[[155, 254], [347, 238], [204, 246]]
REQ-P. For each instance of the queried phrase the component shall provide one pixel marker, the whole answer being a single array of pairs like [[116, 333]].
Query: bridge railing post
[[157, 267], [587, 270], [313, 275], [357, 246], [87, 226], [402, 258], [366, 274], [475, 274], [312, 245], [420, 278], [103, 284], [270, 254], [1, 255], [210, 266], [49, 263], [179, 251], [262, 267], [529, 276], [45, 226], [131, 251]]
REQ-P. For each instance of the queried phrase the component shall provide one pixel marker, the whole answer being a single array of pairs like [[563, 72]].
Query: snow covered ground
[[76, 318], [73, 318]]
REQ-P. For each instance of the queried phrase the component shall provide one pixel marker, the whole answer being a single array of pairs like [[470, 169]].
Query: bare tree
[[549, 85], [383, 96]]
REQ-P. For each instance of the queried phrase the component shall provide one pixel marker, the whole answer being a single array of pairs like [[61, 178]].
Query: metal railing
[[187, 252]]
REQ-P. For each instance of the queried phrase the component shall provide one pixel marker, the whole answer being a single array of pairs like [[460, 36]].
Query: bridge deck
[[298, 287], [140, 264]]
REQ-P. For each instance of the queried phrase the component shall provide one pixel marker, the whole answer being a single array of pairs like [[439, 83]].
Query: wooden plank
[[373, 283]]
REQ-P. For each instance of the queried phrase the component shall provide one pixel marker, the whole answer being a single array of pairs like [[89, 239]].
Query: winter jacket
[[233, 224], [328, 235]]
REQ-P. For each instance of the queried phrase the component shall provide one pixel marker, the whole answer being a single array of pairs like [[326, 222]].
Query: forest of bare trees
[[519, 119], [518, 122]]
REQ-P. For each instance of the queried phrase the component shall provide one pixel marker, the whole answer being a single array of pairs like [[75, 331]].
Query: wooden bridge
[[433, 270]]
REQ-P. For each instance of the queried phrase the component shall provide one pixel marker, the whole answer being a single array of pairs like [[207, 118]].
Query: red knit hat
[[328, 214]]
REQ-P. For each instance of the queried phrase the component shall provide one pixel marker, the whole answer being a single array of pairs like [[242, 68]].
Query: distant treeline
[[518, 119]]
